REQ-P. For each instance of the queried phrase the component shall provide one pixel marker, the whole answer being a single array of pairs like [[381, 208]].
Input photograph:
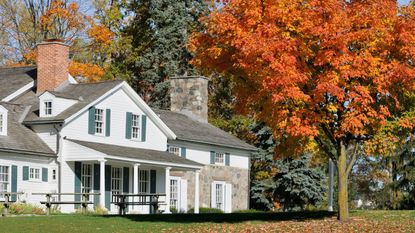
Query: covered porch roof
[[137, 155]]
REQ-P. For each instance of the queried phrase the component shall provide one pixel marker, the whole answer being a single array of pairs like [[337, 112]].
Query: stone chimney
[[189, 95], [52, 65]]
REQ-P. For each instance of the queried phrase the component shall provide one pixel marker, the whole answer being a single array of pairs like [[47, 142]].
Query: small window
[[48, 108], [135, 126], [34, 173], [4, 180], [174, 150], [54, 174], [220, 158], [99, 121]]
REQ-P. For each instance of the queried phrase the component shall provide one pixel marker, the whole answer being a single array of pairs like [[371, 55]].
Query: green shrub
[[249, 211], [207, 211], [24, 208]]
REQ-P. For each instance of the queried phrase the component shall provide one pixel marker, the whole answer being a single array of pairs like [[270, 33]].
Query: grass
[[361, 221]]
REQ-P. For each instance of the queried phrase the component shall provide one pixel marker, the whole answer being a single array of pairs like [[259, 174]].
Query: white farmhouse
[[57, 135]]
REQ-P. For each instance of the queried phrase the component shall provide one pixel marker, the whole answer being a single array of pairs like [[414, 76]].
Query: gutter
[[42, 122], [25, 152], [216, 144]]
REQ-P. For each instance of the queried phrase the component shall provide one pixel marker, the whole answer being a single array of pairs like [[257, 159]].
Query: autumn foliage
[[328, 70], [91, 72]]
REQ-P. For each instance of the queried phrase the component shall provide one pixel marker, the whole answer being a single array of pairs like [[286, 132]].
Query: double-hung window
[[219, 158], [143, 184], [135, 126], [34, 173], [116, 180], [174, 194], [47, 108], [174, 150], [220, 196], [99, 121], [4, 180], [86, 178]]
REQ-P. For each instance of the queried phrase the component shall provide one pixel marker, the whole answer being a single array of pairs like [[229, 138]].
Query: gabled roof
[[20, 138], [85, 93], [12, 79], [188, 129], [138, 153]]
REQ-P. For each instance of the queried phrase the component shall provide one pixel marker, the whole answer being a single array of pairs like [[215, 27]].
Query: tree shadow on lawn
[[227, 218]]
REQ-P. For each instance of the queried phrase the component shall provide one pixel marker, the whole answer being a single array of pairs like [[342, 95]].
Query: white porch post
[[135, 183], [102, 183], [197, 192], [167, 190]]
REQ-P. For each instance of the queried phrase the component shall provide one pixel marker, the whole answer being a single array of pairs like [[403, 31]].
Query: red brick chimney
[[52, 64]]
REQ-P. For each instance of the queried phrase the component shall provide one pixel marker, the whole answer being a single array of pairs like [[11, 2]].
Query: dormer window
[[48, 108], [3, 121]]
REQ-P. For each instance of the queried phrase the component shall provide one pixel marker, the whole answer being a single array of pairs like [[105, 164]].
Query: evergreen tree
[[158, 32]]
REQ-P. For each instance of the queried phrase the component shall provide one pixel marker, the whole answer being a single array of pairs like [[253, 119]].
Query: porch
[[112, 170]]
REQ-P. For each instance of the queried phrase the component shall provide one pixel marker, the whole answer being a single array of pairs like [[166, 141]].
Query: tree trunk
[[343, 201]]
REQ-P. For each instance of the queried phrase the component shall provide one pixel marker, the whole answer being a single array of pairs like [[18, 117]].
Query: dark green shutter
[[128, 121], [14, 182], [91, 120], [97, 176], [108, 123], [212, 157], [143, 128], [183, 152], [45, 174], [227, 159], [77, 188], [108, 187], [153, 181], [25, 173], [126, 180]]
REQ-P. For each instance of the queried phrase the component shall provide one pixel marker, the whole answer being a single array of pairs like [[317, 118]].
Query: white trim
[[19, 92], [136, 98], [40, 174], [141, 161]]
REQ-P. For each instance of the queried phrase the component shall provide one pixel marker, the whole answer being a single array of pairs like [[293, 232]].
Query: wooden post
[[48, 205], [84, 203], [6, 205]]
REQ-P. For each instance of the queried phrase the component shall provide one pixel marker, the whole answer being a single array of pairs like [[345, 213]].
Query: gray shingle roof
[[12, 79], [20, 138], [188, 129], [137, 153], [85, 93]]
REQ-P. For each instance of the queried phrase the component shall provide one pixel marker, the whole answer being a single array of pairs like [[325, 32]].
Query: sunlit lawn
[[361, 221]]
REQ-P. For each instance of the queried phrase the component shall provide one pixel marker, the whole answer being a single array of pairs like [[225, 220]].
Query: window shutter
[[228, 198], [14, 182], [183, 195], [91, 120], [128, 121], [183, 152], [213, 195], [97, 176], [153, 181], [126, 180], [143, 128], [45, 174], [25, 172], [212, 157], [168, 148], [108, 187], [227, 159], [77, 188], [108, 122]]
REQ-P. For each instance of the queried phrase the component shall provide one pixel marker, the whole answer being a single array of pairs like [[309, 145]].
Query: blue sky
[[403, 1]]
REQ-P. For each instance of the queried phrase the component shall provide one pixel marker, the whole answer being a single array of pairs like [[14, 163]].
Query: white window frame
[[46, 108], [175, 193], [32, 174], [54, 174], [85, 176], [143, 182], [116, 181], [220, 158], [136, 127], [175, 150], [3, 123], [7, 182], [99, 122], [217, 197]]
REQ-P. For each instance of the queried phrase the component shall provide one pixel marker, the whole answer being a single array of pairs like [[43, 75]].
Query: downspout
[[58, 160]]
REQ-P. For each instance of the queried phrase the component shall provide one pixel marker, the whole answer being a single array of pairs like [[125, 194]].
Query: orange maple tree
[[328, 72]]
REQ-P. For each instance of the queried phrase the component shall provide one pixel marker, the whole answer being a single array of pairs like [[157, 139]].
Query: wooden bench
[[150, 199], [6, 203], [84, 201]]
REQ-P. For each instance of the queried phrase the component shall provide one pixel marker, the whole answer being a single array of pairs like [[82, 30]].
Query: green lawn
[[362, 221]]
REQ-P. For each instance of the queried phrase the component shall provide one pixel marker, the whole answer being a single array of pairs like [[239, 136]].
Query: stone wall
[[239, 178], [189, 95]]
